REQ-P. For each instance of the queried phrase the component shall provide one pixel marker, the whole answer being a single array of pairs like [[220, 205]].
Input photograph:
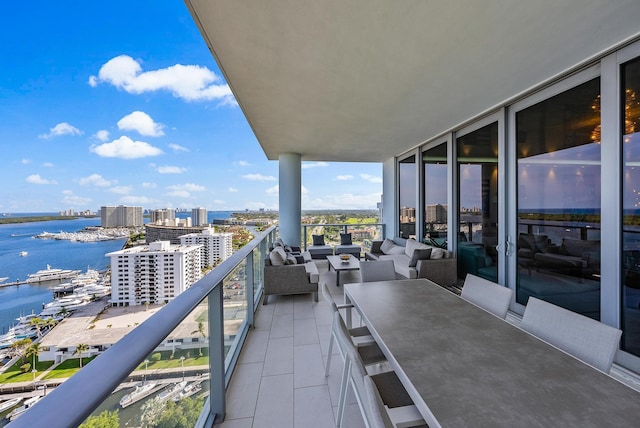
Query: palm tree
[[34, 351], [202, 333], [37, 322], [80, 348], [19, 347], [50, 323]]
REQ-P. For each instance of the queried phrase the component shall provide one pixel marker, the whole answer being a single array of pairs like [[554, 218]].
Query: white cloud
[[47, 164], [170, 169], [36, 179], [259, 177], [178, 148], [121, 190], [184, 190], [242, 163], [232, 190], [63, 128], [147, 185], [188, 82], [131, 200], [74, 201], [371, 178], [142, 123], [95, 180], [314, 165], [219, 202], [102, 135], [272, 190], [125, 148], [25, 161], [339, 201], [344, 177]]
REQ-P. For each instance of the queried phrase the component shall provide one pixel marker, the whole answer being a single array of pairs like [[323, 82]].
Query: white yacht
[[188, 391], [137, 394], [6, 405], [20, 410], [50, 273], [172, 391], [23, 253]]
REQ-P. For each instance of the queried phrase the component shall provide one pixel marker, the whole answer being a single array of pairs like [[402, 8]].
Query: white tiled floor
[[279, 380]]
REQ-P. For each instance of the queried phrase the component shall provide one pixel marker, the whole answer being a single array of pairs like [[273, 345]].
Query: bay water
[[15, 238]]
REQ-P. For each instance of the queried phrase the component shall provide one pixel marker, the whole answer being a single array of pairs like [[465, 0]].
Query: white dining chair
[[488, 295], [393, 405], [586, 339], [360, 336], [377, 270]]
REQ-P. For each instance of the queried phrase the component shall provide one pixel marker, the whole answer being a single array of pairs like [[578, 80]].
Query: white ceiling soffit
[[365, 80]]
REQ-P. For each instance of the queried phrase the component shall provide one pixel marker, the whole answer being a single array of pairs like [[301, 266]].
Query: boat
[[188, 390], [20, 410], [23, 253], [50, 273], [6, 405], [4, 278], [171, 391], [137, 394]]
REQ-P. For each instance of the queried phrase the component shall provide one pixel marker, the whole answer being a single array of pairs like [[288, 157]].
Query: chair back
[[378, 416], [329, 298], [584, 338], [488, 295], [377, 270]]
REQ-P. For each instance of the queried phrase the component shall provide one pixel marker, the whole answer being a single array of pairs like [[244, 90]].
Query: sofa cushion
[[375, 246], [401, 264], [419, 254], [312, 272], [318, 239], [278, 256], [412, 245], [438, 253], [291, 260], [386, 246], [345, 239]]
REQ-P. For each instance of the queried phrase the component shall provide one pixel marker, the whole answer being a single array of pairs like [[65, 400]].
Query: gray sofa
[[283, 275], [440, 267]]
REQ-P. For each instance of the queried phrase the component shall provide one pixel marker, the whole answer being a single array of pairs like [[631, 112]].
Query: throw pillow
[[437, 253], [387, 245], [419, 254], [397, 249], [278, 256], [345, 239], [291, 260], [318, 239]]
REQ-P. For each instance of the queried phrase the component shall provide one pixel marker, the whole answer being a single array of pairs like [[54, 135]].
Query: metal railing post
[[216, 355], [305, 237], [249, 293]]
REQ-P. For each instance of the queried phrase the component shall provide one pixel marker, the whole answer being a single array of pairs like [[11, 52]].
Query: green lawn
[[14, 374], [191, 358], [67, 368]]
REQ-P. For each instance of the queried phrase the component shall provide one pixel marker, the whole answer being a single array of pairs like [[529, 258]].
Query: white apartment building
[[154, 273], [165, 216], [120, 216], [215, 246]]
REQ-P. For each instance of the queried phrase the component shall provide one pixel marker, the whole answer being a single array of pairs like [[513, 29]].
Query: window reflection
[[630, 113], [435, 195], [407, 214], [559, 200], [477, 167]]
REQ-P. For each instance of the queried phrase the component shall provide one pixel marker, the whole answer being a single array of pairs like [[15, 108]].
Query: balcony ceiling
[[365, 80]]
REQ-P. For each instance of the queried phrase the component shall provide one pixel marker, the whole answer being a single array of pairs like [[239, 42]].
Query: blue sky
[[121, 103]]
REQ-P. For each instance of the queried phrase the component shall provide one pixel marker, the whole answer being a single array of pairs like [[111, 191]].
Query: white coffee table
[[339, 265]]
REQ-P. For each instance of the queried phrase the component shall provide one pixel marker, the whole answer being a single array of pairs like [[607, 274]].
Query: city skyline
[[125, 105]]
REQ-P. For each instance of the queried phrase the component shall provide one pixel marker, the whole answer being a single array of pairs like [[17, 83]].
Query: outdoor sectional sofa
[[439, 267], [284, 275]]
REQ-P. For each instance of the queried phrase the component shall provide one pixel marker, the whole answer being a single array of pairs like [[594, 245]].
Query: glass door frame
[[499, 118], [512, 170]]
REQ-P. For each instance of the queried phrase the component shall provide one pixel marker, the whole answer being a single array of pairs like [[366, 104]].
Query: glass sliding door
[[477, 170], [408, 203], [558, 200], [434, 161], [630, 126]]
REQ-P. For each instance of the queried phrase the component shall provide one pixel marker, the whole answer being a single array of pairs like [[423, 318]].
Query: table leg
[[337, 278], [348, 317]]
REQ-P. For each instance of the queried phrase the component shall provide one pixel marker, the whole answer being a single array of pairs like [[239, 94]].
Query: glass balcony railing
[[361, 233], [176, 364]]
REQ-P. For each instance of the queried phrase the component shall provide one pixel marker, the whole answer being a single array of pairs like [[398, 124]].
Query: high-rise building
[[120, 216], [436, 213], [154, 273], [215, 246], [172, 234], [165, 216], [199, 217]]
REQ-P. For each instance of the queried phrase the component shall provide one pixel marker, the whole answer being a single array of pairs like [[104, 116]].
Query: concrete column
[[290, 198]]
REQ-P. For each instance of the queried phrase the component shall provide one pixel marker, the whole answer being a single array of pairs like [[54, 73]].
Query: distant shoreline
[[32, 219]]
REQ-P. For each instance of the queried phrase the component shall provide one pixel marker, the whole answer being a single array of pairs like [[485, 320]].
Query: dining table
[[465, 367]]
